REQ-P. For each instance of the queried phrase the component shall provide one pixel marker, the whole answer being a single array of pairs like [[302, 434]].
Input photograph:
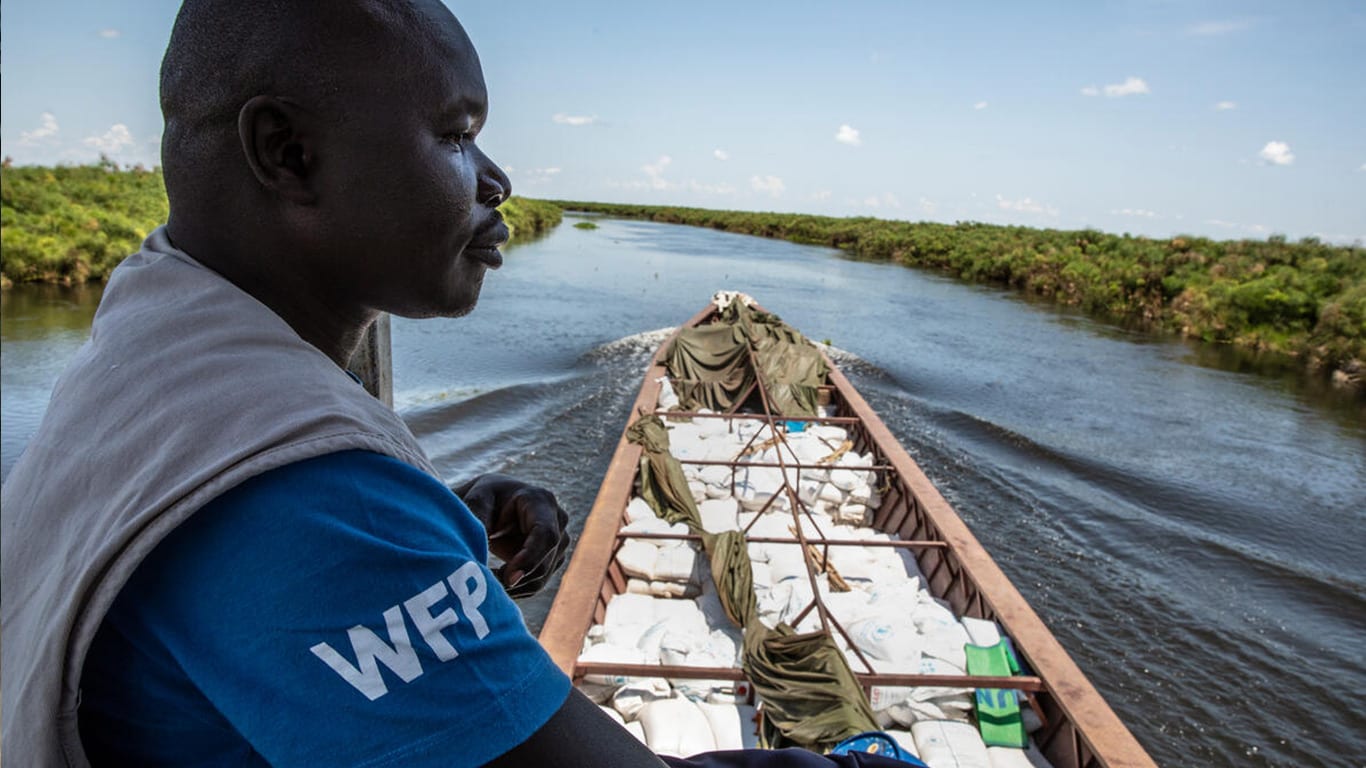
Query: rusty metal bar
[[821, 611], [696, 415], [770, 464], [1020, 683], [777, 540]]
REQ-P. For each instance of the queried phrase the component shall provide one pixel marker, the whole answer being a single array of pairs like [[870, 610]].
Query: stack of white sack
[[662, 567], [681, 727], [643, 629], [951, 744], [846, 489], [889, 614], [928, 639]]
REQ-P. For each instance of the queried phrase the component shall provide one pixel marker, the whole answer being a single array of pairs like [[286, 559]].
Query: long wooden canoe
[[1080, 730]]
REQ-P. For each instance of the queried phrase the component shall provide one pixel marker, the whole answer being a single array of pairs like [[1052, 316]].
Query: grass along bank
[[73, 224], [1305, 298]]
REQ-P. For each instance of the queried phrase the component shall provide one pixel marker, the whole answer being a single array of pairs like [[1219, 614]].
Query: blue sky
[[1157, 117]]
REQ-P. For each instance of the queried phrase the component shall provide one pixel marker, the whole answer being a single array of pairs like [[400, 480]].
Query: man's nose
[[494, 185]]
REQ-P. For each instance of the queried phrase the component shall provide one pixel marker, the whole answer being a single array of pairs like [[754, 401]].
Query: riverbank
[[69, 225], [1306, 299]]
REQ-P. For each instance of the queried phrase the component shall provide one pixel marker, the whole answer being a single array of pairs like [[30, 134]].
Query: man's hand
[[526, 529]]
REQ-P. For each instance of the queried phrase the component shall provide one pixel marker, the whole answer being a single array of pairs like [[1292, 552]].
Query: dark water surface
[[1188, 521]]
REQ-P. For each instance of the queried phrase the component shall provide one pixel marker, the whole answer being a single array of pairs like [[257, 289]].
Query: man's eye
[[458, 138]]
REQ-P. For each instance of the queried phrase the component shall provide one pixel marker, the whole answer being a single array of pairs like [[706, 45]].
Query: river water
[[1189, 522]]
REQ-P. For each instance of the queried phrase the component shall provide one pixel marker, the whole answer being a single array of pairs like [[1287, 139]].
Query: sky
[[1221, 118]]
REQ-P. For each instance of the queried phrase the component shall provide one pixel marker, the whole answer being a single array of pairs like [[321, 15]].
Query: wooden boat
[[1078, 728]]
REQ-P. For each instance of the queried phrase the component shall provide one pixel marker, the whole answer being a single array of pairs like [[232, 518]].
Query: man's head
[[327, 147]]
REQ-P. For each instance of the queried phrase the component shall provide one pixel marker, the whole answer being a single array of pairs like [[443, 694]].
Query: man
[[218, 550]]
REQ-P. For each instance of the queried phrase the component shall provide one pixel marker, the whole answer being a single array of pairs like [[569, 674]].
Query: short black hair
[[222, 53]]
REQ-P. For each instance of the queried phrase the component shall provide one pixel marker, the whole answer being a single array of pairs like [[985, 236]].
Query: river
[[1187, 520]]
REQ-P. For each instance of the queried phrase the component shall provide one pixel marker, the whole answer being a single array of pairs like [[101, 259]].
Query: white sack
[[676, 727], [732, 725], [719, 515], [637, 730], [633, 696], [982, 632], [629, 609], [950, 744], [637, 558], [890, 638], [674, 563], [639, 509]]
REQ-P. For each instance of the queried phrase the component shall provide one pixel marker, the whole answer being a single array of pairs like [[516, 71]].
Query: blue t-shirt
[[336, 611]]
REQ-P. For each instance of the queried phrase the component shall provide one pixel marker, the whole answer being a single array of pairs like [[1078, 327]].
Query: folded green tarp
[[711, 367]]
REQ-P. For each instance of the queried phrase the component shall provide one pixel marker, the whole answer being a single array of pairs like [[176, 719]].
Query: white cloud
[[1217, 28], [45, 133], [928, 206], [770, 184], [564, 119], [720, 154], [115, 139], [821, 194], [656, 172], [888, 200], [722, 189], [536, 176], [109, 34], [1025, 205], [1362, 168], [848, 135], [1224, 106], [980, 105], [1130, 86], [1252, 229], [1141, 212], [1277, 153]]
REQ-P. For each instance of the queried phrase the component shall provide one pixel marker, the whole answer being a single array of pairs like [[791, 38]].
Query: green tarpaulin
[[710, 364]]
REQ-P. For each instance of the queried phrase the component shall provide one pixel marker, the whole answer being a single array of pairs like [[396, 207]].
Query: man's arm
[[579, 734]]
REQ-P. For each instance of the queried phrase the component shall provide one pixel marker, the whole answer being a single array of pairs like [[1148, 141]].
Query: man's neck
[[275, 274]]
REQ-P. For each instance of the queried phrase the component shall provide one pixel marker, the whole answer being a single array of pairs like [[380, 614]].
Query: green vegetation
[[527, 218], [1305, 298], [585, 225], [73, 224]]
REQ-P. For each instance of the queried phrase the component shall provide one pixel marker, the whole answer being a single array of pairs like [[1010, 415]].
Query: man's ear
[[278, 138]]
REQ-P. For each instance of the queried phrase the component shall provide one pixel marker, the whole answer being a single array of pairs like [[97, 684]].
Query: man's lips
[[484, 247]]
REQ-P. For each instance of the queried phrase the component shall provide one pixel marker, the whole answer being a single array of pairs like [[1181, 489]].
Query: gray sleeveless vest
[[187, 387]]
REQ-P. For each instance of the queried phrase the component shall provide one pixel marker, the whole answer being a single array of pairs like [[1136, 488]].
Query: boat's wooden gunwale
[[1081, 730]]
